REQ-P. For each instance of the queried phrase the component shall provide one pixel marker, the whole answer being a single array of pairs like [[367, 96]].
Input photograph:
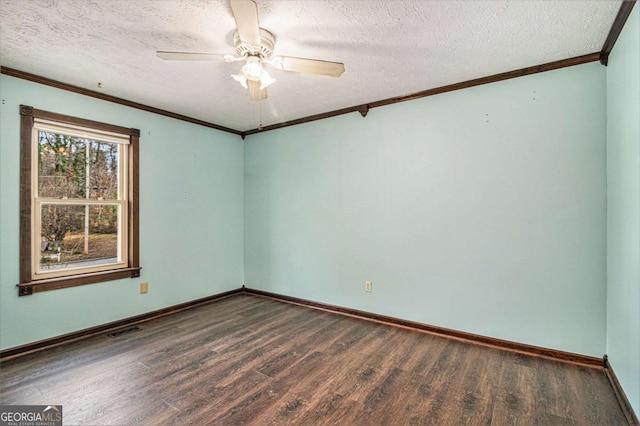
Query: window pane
[[68, 240], [103, 170], [64, 162]]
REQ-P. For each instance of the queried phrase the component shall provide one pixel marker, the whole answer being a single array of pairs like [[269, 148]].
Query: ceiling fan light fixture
[[240, 79], [266, 80], [252, 71]]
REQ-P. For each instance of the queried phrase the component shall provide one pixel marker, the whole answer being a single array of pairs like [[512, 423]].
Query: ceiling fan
[[254, 46]]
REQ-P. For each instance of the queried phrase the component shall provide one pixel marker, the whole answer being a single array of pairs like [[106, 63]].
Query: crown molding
[[364, 108], [621, 18], [98, 95]]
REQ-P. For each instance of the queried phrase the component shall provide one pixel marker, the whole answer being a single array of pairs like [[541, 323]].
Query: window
[[78, 201]]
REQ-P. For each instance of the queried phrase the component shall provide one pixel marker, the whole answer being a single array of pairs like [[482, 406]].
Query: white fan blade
[[245, 13], [188, 56], [231, 58], [255, 93], [309, 66]]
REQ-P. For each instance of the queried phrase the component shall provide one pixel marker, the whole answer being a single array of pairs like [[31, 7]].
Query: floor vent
[[124, 331]]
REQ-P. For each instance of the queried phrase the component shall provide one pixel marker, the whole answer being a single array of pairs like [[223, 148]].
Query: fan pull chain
[[260, 125]]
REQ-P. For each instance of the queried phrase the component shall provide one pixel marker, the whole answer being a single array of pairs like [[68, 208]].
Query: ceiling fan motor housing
[[265, 50]]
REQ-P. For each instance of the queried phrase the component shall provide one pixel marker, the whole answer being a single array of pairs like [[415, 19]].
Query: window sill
[[28, 288]]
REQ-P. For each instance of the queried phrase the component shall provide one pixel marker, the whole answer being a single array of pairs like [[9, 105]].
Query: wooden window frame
[[28, 285]]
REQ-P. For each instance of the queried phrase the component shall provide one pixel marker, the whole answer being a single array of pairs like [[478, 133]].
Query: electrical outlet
[[144, 287], [367, 286]]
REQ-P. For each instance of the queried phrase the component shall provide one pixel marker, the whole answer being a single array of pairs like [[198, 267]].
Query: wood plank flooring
[[250, 360]]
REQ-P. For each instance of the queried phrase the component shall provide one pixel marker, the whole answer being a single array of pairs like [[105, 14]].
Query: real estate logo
[[30, 415]]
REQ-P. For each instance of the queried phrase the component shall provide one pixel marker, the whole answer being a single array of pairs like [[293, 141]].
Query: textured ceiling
[[389, 48]]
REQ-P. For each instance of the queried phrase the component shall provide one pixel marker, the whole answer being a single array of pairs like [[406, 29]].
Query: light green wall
[[481, 210], [623, 208], [191, 218]]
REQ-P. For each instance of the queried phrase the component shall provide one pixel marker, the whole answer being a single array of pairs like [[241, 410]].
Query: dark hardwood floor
[[250, 360]]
